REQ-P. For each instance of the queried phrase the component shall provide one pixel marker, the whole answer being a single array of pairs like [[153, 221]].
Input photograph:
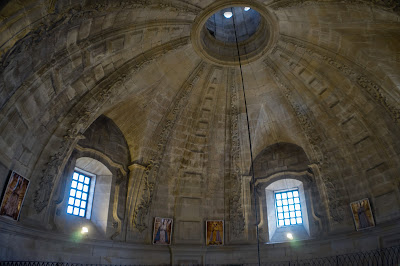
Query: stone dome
[[145, 99]]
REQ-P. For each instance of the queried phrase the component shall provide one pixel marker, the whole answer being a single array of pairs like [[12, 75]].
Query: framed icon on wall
[[215, 233], [14, 196], [162, 233], [362, 214]]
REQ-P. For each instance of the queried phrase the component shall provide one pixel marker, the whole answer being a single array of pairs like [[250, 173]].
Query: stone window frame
[[305, 178], [69, 223]]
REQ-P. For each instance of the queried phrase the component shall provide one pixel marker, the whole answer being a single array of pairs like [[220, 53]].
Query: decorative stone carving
[[336, 205], [373, 89], [178, 6], [237, 220], [54, 20], [389, 5], [81, 118], [139, 219]]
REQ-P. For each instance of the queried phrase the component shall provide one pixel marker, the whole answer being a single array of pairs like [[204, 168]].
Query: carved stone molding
[[55, 20], [389, 5], [86, 111], [164, 130], [172, 5], [236, 216], [360, 78], [105, 157], [336, 206]]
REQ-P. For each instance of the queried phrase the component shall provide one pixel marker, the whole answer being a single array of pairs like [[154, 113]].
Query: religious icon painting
[[215, 233], [362, 214], [14, 196], [162, 233]]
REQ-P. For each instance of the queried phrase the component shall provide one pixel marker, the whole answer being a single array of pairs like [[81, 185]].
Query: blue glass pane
[[77, 202], [71, 201], [75, 176], [288, 208]]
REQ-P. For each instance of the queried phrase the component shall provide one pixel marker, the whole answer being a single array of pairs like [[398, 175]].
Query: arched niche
[[104, 154], [98, 207], [283, 167]]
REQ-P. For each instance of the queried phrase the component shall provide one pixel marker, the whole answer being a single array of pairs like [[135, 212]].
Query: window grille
[[288, 208], [79, 194]]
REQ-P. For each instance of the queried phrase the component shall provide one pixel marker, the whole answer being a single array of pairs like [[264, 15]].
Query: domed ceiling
[[323, 75]]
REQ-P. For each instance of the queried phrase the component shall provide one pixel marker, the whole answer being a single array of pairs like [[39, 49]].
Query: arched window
[[286, 194], [87, 197]]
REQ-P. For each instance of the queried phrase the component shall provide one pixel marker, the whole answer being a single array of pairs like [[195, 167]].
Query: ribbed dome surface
[[322, 83]]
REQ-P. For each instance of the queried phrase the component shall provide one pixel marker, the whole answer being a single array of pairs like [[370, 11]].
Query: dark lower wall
[[27, 244]]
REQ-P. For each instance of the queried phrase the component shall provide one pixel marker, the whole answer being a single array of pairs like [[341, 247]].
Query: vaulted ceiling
[[328, 82]]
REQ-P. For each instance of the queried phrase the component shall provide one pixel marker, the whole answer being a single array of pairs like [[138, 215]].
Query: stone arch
[[287, 162]]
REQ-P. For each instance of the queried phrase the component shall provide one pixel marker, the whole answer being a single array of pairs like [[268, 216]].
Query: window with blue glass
[[288, 208], [79, 194]]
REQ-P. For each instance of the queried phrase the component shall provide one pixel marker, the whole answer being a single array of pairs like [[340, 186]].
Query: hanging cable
[[251, 149]]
